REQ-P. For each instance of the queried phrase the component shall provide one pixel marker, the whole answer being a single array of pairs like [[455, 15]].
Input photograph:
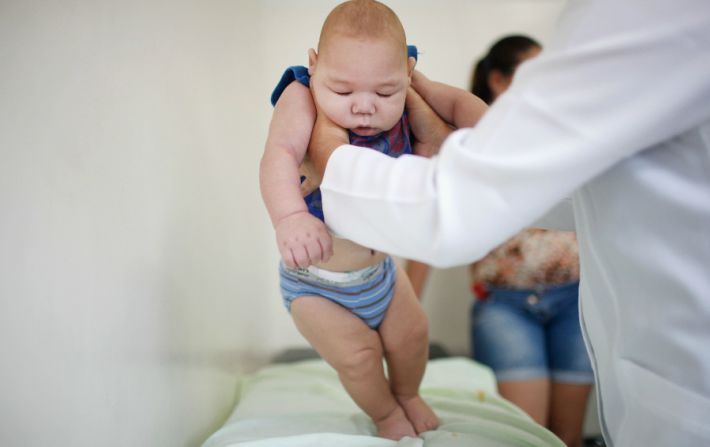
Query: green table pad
[[304, 404]]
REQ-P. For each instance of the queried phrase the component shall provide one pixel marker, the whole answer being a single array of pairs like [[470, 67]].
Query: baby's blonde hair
[[363, 19]]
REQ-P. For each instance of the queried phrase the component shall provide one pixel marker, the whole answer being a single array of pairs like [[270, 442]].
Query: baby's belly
[[349, 256]]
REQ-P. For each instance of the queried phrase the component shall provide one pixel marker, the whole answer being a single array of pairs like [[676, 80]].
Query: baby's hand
[[303, 240]]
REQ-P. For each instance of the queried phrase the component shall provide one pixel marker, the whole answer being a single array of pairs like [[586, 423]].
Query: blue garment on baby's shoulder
[[394, 142], [296, 73]]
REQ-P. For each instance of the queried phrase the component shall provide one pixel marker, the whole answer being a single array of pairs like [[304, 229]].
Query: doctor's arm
[[457, 107], [569, 116], [326, 137], [560, 217], [435, 110]]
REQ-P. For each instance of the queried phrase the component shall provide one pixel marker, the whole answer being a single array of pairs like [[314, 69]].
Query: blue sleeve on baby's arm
[[296, 73], [412, 52], [300, 73]]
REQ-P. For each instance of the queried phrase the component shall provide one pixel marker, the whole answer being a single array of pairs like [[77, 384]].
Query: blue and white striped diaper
[[367, 292]]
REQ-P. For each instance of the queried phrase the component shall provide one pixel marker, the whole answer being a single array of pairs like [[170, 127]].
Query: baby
[[353, 304]]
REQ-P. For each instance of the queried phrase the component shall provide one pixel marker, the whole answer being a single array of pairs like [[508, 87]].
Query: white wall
[[137, 263]]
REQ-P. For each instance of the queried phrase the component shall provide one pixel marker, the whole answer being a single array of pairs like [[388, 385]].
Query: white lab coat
[[616, 114]]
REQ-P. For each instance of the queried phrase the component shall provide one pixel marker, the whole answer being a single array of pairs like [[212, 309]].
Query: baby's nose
[[363, 104]]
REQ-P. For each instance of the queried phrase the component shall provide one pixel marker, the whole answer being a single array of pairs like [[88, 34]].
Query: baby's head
[[361, 72]]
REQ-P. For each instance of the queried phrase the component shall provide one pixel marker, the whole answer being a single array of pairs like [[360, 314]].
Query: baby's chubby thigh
[[343, 339], [405, 327]]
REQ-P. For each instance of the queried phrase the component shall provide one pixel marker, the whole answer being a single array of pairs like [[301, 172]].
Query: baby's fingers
[[300, 256], [287, 257], [315, 253]]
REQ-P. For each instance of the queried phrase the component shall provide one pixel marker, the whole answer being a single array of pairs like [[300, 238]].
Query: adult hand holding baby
[[325, 138], [428, 128]]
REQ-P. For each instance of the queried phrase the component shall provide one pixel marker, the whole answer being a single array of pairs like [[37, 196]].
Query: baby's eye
[[341, 93], [384, 95]]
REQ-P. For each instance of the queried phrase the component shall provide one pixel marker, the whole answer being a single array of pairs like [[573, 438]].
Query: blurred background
[[138, 271]]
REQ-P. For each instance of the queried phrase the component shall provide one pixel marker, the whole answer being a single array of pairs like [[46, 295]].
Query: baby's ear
[[411, 63], [312, 59]]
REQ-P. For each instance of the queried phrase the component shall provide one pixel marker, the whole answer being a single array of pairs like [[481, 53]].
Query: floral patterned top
[[531, 258]]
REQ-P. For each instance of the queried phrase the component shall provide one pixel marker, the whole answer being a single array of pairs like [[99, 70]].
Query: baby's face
[[361, 84]]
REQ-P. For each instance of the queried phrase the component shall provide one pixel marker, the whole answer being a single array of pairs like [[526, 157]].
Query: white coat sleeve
[[560, 217], [617, 79]]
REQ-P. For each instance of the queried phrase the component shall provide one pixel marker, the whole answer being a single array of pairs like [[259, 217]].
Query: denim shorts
[[525, 334]]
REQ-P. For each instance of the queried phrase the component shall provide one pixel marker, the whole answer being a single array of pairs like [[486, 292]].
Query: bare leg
[[567, 407], [418, 273], [404, 333], [532, 396], [355, 351]]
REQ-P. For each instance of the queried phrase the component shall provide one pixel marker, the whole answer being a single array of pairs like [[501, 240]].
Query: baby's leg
[[355, 351], [405, 336]]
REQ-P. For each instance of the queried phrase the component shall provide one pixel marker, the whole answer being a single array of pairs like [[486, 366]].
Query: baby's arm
[[456, 106], [302, 238]]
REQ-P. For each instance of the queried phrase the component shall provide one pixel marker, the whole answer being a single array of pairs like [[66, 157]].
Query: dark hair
[[503, 56]]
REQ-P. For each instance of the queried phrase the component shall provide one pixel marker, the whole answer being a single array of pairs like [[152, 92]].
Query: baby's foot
[[419, 413], [395, 425]]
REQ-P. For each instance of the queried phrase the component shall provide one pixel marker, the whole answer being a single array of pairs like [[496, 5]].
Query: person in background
[[525, 318]]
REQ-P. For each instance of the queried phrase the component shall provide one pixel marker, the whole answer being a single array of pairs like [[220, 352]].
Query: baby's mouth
[[365, 131]]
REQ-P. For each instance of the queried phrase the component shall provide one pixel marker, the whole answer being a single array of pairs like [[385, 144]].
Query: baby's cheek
[[339, 113], [334, 109], [394, 113], [340, 117]]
